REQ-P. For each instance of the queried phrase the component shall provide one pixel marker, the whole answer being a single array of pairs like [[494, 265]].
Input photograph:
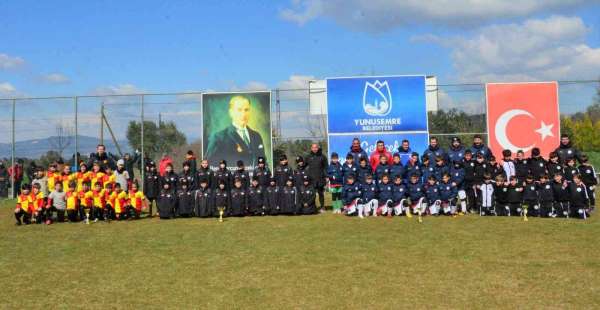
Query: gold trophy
[[525, 207], [221, 211]]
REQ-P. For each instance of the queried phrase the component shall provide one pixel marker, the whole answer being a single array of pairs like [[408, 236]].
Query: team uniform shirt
[[108, 179], [386, 192], [447, 191], [335, 175], [39, 201], [509, 169], [25, 202], [81, 177], [398, 192], [53, 178], [99, 198], [86, 199], [95, 177], [72, 200], [350, 170], [350, 192], [66, 179], [415, 191], [109, 198], [136, 199], [120, 201]]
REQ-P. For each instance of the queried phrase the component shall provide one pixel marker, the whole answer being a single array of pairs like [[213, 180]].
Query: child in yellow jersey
[[66, 177], [39, 203], [120, 204], [137, 201], [96, 174], [86, 202], [24, 207], [83, 175], [99, 209], [72, 199], [110, 202], [109, 177], [52, 175]]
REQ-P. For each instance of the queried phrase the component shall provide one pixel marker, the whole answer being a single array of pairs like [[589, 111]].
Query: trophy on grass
[[525, 208], [221, 210]]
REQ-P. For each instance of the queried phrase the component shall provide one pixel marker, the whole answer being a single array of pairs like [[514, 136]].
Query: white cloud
[[7, 89], [296, 82], [383, 15], [537, 49], [10, 62], [122, 89], [54, 78]]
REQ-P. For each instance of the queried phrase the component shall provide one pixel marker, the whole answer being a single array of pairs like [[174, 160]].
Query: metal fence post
[[12, 152], [143, 165], [76, 155]]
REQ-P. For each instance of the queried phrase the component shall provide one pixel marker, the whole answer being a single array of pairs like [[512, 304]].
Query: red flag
[[521, 116]]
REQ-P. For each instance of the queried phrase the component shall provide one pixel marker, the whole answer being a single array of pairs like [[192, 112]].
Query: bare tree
[[62, 139]]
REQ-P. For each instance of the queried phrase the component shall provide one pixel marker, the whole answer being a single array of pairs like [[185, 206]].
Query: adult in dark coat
[[102, 157], [237, 141], [316, 166], [357, 151], [566, 150]]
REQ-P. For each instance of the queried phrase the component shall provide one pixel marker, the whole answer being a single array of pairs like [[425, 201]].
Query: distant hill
[[38, 147]]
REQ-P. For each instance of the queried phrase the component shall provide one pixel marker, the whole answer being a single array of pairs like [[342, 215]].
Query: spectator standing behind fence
[[16, 171], [4, 181], [102, 157], [566, 150], [317, 171]]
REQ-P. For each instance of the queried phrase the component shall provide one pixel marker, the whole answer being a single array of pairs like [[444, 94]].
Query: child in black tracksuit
[[514, 197], [469, 180], [256, 198], [283, 172], [185, 200], [223, 175], [562, 205], [306, 198], [546, 197], [262, 172], [166, 202], [288, 198], [170, 177], [570, 169], [242, 174], [537, 164], [521, 167], [530, 196], [238, 199], [221, 202], [151, 186], [588, 176], [188, 176], [579, 198], [203, 199], [500, 191], [272, 198]]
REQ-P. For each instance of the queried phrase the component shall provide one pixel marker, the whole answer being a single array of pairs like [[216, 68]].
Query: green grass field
[[317, 262]]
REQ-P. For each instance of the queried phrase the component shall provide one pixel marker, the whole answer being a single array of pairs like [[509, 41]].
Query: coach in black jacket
[[237, 141], [316, 164]]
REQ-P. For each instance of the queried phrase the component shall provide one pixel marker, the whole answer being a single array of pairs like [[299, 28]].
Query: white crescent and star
[[545, 131]]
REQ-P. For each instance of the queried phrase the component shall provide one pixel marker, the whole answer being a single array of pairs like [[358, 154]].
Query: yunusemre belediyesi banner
[[388, 108], [237, 126]]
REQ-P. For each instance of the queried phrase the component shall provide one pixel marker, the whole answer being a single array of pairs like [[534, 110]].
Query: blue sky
[[50, 48], [193, 45]]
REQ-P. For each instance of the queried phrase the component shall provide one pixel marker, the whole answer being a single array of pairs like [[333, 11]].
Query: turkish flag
[[521, 116]]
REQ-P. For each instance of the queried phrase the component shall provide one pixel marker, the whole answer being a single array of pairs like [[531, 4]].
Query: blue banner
[[376, 104], [341, 143]]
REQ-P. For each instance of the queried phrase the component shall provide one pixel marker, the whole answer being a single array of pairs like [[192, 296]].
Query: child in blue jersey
[[335, 176], [386, 199], [416, 194], [368, 200], [399, 198], [448, 194], [351, 196], [432, 194]]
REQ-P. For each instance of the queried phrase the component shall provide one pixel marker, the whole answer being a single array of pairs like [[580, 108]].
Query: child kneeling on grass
[[24, 207], [166, 202], [137, 201], [57, 202], [351, 196]]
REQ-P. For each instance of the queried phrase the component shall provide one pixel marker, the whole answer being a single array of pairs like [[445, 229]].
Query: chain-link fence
[[37, 131]]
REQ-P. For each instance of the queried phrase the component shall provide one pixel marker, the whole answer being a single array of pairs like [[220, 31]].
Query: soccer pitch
[[319, 262]]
